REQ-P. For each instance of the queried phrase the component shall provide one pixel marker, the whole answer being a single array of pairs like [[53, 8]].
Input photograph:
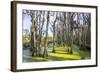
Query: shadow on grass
[[39, 59]]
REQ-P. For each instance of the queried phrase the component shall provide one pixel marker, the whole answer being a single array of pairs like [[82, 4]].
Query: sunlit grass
[[62, 48], [66, 56], [56, 57], [61, 54]]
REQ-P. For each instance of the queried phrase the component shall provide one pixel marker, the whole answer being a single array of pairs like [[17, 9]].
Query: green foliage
[[26, 41], [26, 38]]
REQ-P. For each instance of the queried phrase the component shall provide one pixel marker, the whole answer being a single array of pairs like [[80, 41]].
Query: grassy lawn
[[61, 54], [65, 56], [61, 48], [57, 57], [38, 59]]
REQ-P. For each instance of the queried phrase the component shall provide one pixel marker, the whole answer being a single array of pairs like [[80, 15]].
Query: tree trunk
[[40, 34], [54, 36], [33, 37], [45, 54], [70, 32]]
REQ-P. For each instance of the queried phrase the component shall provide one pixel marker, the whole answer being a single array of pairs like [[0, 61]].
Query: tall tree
[[45, 54], [54, 33], [41, 31], [33, 37]]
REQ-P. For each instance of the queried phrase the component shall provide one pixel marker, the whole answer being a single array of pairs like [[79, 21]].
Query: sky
[[26, 19]]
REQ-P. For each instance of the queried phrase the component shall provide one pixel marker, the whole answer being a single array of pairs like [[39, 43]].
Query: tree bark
[[45, 54], [33, 37]]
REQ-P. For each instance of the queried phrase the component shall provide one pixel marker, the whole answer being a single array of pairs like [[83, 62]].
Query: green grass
[[61, 54], [62, 48], [38, 59], [56, 57], [85, 54], [66, 56]]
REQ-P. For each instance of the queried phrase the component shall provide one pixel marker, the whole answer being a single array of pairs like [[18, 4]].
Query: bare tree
[[45, 54], [53, 24], [33, 37]]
